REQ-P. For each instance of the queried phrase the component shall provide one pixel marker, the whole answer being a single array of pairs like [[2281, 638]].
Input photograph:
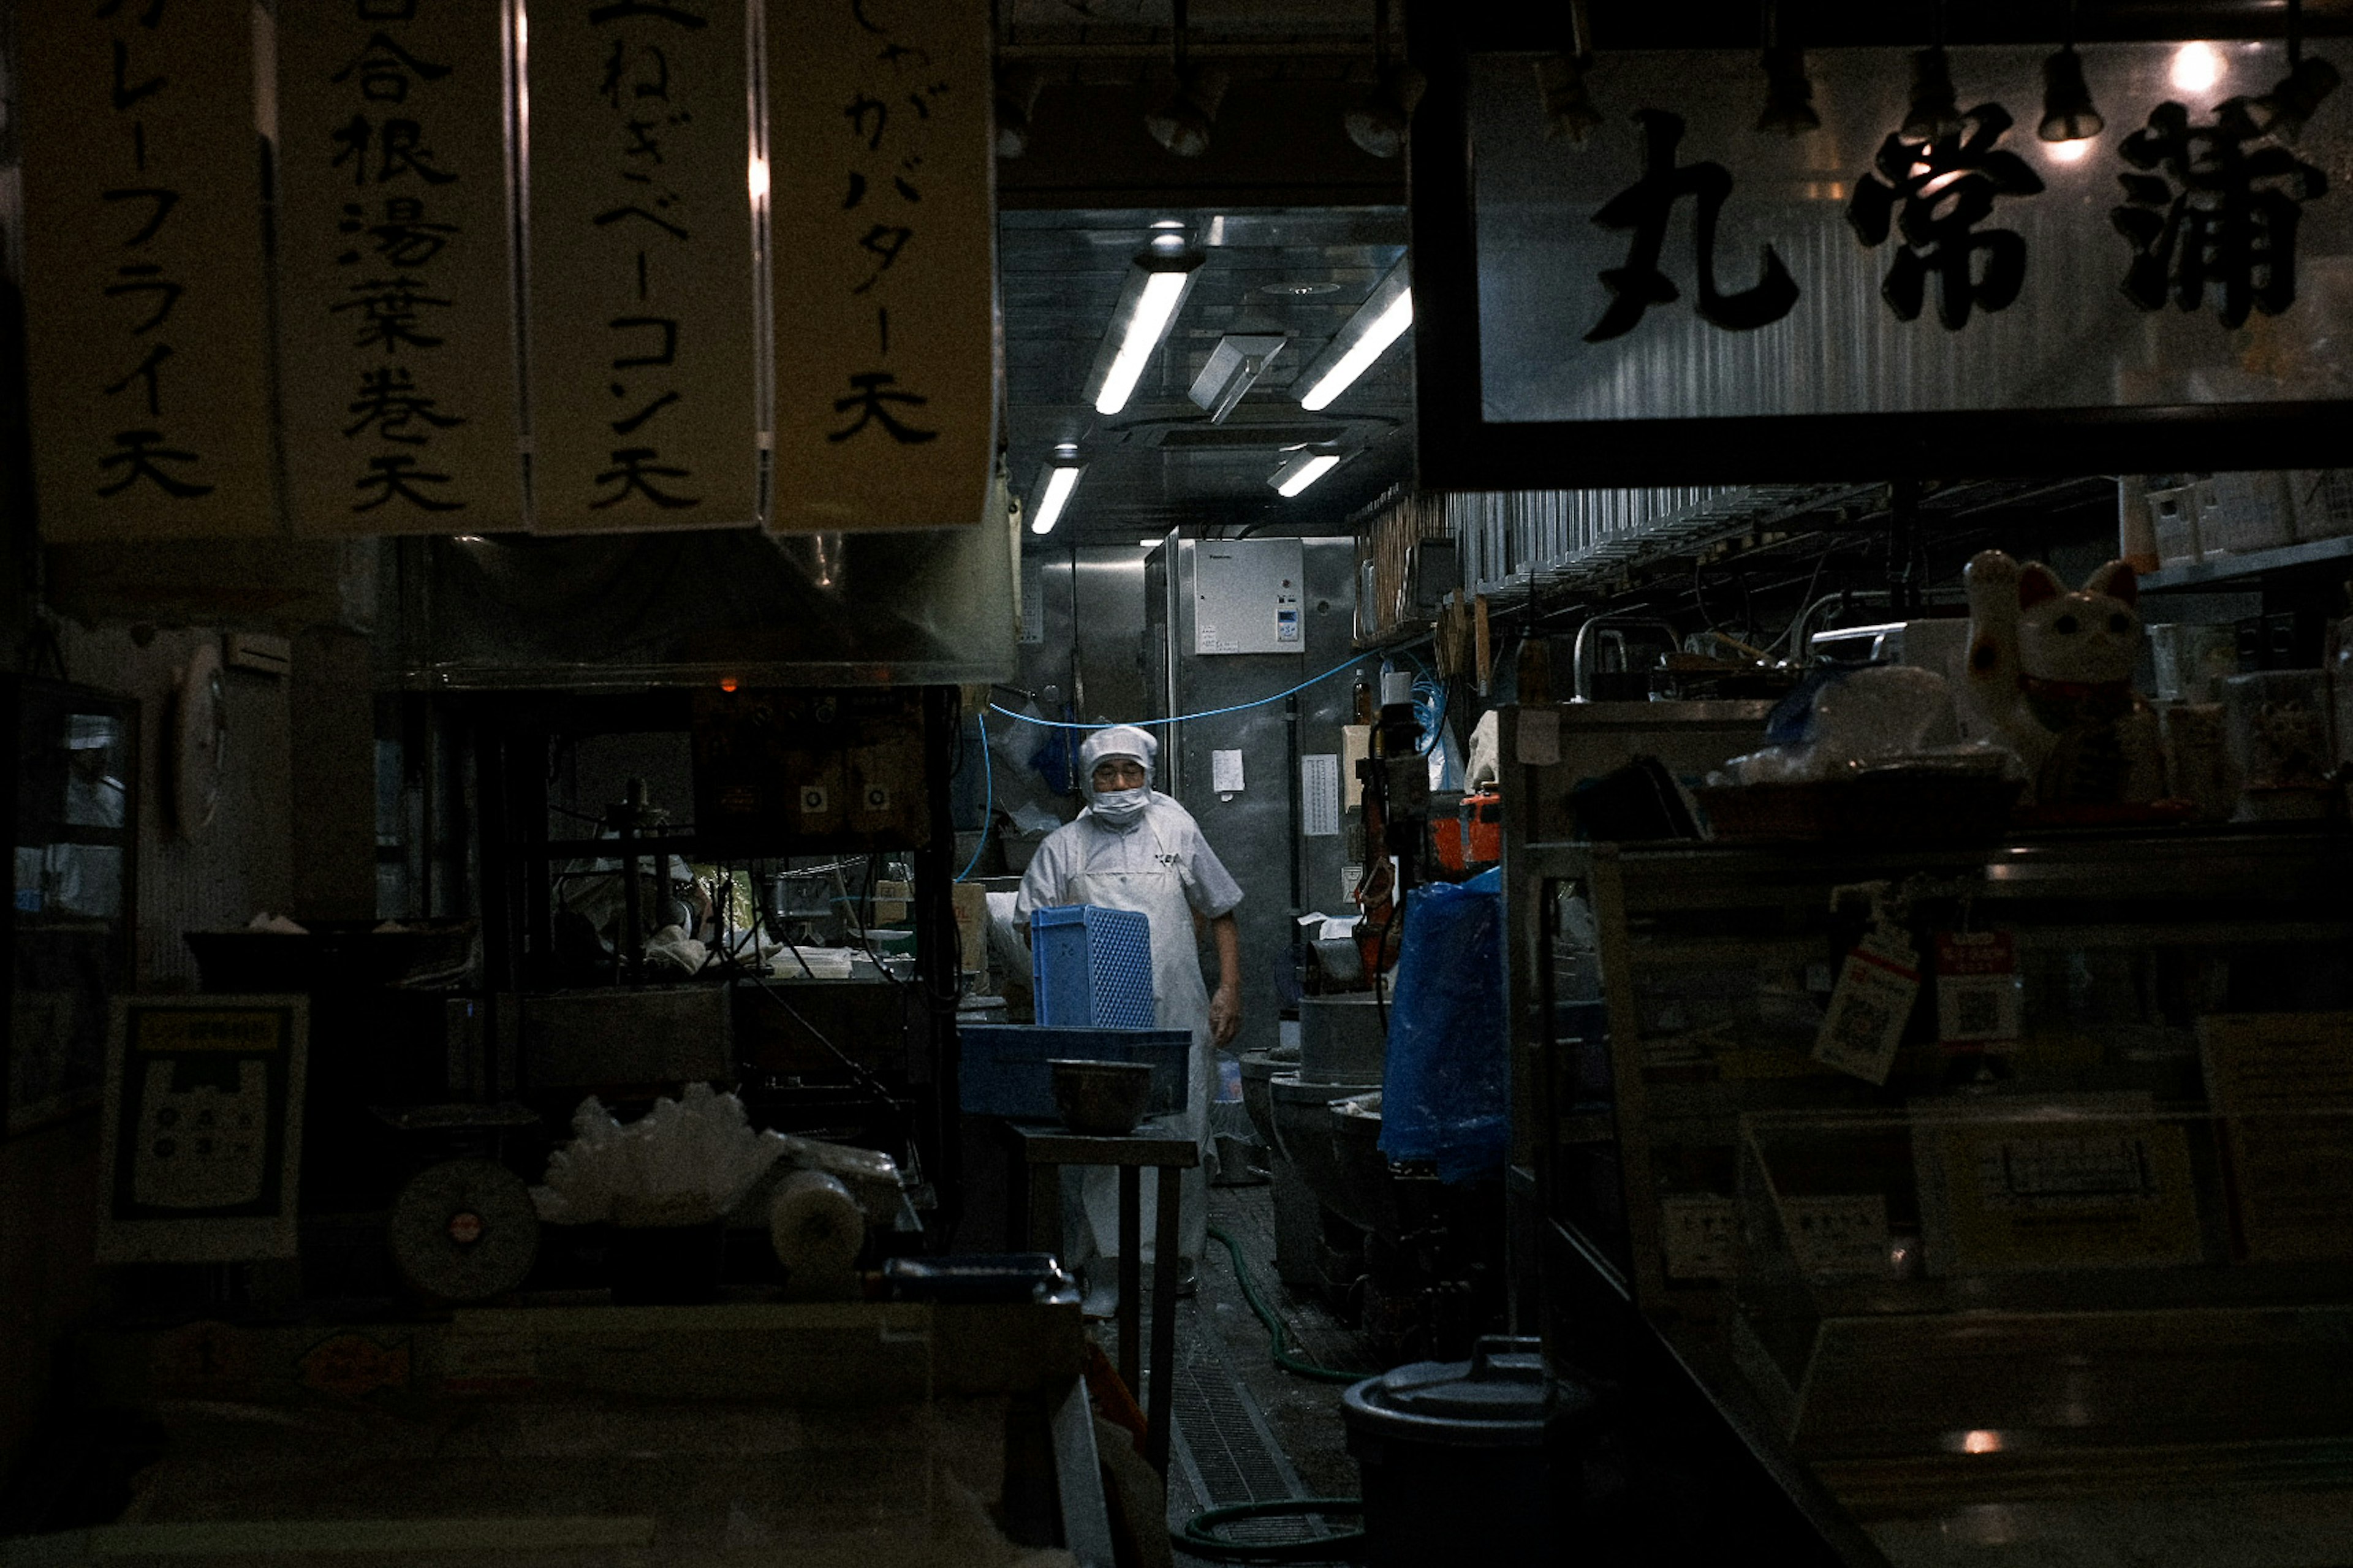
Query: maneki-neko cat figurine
[[2050, 674]]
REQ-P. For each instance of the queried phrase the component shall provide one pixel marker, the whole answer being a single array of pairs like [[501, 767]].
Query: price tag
[[1977, 987], [1864, 1022], [1699, 1235], [1838, 1233]]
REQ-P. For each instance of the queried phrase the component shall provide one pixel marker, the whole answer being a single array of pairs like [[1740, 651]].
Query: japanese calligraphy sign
[[146, 332], [883, 215], [644, 363], [396, 304], [1889, 277]]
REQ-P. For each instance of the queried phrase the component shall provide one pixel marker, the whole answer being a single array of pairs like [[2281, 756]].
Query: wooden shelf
[[2254, 564]]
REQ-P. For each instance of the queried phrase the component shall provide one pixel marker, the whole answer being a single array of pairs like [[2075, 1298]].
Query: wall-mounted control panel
[[1247, 596]]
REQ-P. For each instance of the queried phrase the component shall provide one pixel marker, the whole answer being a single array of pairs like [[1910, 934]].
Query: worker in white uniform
[[1135, 848]]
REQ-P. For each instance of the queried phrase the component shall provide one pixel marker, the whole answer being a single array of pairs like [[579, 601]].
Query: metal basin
[[1307, 1129], [1102, 1099]]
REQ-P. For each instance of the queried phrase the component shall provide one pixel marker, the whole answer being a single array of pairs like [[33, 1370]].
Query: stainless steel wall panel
[[1255, 830]]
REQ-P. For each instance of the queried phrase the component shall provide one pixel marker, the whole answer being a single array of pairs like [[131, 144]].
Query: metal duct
[[512, 612]]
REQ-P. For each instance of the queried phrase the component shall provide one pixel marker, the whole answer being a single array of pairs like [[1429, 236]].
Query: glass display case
[[74, 789], [2003, 1177]]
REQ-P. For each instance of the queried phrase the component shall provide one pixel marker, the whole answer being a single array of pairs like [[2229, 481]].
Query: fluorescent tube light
[[1149, 300], [1382, 319], [1153, 310], [1302, 469], [1061, 478]]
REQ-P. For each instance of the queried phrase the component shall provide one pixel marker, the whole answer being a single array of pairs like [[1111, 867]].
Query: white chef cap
[[1119, 740]]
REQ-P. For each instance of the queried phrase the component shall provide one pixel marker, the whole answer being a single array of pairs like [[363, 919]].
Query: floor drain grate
[[1223, 1441]]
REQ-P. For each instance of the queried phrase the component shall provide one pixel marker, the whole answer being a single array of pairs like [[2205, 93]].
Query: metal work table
[[1051, 1147]]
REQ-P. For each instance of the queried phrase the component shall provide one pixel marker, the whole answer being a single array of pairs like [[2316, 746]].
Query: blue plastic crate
[[1092, 967], [1003, 1069]]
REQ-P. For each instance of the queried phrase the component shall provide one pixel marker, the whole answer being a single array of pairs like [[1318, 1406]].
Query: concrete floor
[[1247, 1430]]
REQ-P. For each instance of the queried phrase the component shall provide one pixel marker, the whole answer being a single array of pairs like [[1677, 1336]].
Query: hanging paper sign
[[396, 286], [884, 217], [643, 336], [145, 333]]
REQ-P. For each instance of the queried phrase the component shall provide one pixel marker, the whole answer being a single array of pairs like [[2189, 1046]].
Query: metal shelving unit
[[2229, 569]]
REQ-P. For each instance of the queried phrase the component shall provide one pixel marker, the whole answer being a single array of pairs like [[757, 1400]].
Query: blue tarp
[[1446, 1094]]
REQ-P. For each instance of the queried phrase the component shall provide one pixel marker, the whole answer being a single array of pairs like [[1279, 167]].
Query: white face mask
[[1118, 808]]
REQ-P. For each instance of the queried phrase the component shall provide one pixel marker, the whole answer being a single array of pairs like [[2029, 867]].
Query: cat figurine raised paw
[[2050, 674]]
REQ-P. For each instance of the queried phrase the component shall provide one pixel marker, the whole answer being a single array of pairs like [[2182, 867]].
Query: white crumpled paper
[[686, 1159]]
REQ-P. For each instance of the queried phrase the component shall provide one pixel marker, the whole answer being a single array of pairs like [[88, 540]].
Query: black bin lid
[[1504, 1396]]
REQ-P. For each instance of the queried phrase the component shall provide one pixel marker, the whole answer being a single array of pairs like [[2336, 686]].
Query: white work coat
[[1160, 867]]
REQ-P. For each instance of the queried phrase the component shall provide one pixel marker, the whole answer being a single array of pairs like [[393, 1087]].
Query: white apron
[[1182, 1002]]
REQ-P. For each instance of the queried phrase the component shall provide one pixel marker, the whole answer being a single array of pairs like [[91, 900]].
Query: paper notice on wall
[[1319, 795], [1226, 772]]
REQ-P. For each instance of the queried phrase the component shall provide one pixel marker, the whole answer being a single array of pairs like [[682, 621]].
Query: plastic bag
[[1446, 1092]]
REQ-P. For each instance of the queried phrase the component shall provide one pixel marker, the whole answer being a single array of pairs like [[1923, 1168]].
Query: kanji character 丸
[[1643, 208]]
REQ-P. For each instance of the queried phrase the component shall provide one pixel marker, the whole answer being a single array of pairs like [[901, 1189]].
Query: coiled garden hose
[[1199, 1535], [1278, 1341]]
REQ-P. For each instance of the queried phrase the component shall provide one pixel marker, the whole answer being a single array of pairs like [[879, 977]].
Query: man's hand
[[1225, 1015]]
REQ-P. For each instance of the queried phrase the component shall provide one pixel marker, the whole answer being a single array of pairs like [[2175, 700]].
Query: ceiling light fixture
[[2068, 117], [1183, 121], [1934, 111], [2287, 107], [1055, 483], [1378, 125], [1235, 365], [1788, 90], [1017, 86], [1568, 111], [1301, 468], [1383, 318], [1788, 94], [1147, 304]]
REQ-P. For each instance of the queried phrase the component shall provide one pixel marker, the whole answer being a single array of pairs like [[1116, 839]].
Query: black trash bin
[[1475, 1461]]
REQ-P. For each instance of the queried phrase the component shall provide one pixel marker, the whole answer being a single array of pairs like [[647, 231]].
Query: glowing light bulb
[[2069, 151], [2197, 67]]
